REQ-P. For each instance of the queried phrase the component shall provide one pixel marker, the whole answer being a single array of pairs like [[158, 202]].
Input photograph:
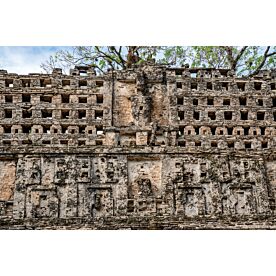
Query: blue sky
[[24, 60]]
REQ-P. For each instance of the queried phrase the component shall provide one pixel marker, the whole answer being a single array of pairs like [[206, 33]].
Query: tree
[[244, 60], [101, 58]]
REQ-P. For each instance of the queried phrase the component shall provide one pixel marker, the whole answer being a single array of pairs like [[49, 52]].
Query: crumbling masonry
[[146, 148]]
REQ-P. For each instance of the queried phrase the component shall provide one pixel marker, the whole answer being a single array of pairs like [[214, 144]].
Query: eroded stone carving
[[149, 141]]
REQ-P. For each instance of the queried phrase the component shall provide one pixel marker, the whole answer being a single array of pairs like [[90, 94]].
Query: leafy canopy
[[244, 60]]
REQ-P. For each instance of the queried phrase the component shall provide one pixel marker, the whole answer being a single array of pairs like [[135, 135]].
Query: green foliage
[[208, 56], [246, 60]]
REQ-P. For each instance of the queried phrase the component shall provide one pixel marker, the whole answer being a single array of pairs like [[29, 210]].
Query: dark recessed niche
[[214, 144], [246, 130], [260, 115], [260, 102], [98, 114], [247, 145], [242, 100], [82, 99], [181, 115], [180, 101], [65, 98], [83, 83], [99, 98], [26, 98], [228, 115], [226, 101], [196, 115], [212, 115], [257, 85], [195, 101], [241, 86], [179, 85], [8, 98], [193, 86], [224, 86], [197, 143], [209, 86], [210, 101], [264, 144], [8, 113], [244, 115], [99, 83], [181, 143]]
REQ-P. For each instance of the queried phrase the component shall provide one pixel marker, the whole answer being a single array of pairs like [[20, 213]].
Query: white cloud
[[24, 60]]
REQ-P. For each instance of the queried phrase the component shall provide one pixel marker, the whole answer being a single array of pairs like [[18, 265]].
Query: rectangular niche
[[144, 176], [190, 202], [100, 201], [42, 202]]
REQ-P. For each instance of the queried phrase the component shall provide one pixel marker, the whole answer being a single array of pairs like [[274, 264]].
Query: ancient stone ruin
[[146, 148]]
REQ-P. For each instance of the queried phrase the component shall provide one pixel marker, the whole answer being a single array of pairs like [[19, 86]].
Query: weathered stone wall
[[173, 147]]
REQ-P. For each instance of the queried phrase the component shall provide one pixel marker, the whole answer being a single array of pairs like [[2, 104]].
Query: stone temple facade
[[146, 148]]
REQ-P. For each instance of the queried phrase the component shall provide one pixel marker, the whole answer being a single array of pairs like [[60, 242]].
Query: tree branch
[[108, 56], [234, 61], [259, 67], [119, 55], [230, 57], [271, 54], [239, 55]]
